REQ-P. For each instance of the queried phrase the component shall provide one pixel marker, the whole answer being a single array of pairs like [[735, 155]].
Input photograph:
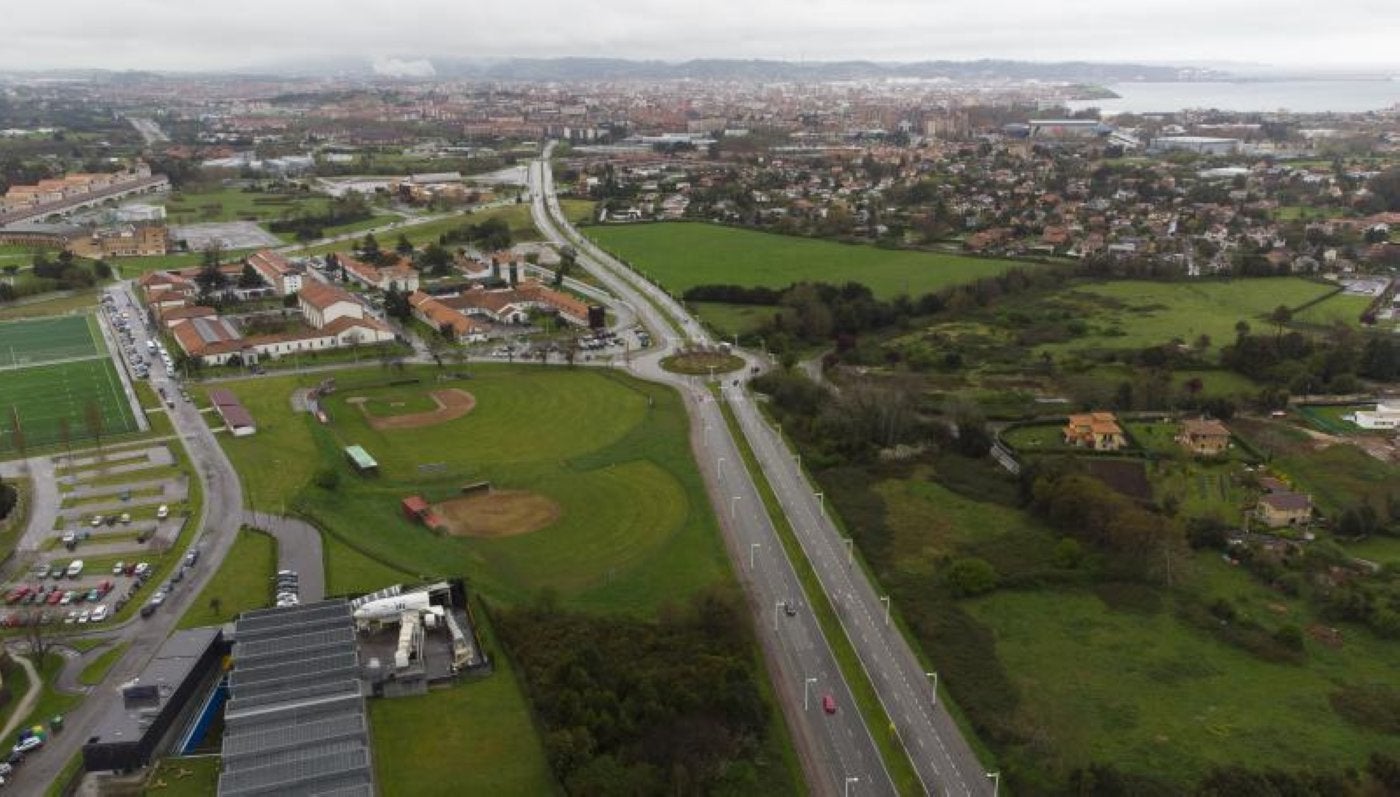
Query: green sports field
[[683, 255], [52, 369], [43, 340]]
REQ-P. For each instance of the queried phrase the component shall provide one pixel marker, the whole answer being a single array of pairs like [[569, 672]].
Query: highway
[[944, 761], [838, 754]]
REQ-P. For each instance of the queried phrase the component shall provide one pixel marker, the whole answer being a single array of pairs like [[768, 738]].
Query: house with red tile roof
[[400, 275], [276, 271]]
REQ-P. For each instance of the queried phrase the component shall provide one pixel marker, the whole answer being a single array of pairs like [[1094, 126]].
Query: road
[[943, 759], [218, 525], [838, 754]]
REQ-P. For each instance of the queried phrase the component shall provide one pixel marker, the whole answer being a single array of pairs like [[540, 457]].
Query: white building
[[1385, 416], [1201, 145]]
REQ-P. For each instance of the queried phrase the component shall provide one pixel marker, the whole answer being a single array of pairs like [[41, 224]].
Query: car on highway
[[828, 704], [789, 609]]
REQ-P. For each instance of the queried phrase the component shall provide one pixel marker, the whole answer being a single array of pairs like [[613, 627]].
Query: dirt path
[[26, 705]]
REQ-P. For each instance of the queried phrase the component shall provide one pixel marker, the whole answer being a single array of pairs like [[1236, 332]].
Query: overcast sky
[[223, 34]]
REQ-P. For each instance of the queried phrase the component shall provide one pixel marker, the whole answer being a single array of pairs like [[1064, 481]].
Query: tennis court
[[55, 372], [40, 340]]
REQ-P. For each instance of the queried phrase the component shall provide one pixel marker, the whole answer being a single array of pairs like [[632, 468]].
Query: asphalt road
[[838, 754], [944, 761]]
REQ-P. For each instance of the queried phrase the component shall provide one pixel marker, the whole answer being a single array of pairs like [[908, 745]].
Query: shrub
[[327, 478], [1373, 706], [9, 496], [971, 576]]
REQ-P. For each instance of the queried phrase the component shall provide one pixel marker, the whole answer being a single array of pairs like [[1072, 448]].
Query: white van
[[75, 569]]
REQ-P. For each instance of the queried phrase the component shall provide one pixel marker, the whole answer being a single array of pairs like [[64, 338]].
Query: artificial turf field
[[41, 382], [43, 340]]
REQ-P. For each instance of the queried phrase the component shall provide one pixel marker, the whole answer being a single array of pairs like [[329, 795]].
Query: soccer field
[[41, 340], [37, 394]]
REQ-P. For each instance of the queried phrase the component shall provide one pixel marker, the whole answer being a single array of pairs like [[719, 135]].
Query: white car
[[99, 614], [118, 568], [32, 743], [163, 512]]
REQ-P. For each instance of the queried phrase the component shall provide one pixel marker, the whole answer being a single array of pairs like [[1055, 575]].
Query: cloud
[[398, 67]]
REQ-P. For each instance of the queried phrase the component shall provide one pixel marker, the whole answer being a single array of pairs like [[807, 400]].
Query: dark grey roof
[[172, 664], [295, 721]]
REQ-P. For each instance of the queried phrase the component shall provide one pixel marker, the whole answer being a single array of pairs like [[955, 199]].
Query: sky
[[212, 35]]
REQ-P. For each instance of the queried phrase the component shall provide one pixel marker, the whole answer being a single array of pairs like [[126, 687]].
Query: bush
[[9, 497], [971, 576], [1068, 553], [1372, 706], [1290, 636], [327, 478]]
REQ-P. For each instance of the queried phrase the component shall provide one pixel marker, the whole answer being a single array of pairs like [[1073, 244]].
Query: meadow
[[235, 204], [1133, 314], [683, 255], [1084, 672]]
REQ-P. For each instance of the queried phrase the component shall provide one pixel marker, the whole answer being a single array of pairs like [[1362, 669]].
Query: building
[[1283, 508], [1066, 129], [1385, 416], [1095, 430], [1203, 437], [295, 722], [157, 704], [322, 303], [513, 305], [276, 271], [1201, 145], [400, 276], [236, 417], [122, 240], [439, 316], [361, 459]]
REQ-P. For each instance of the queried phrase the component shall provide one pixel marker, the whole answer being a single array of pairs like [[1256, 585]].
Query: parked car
[[163, 512], [119, 568], [30, 743], [99, 614], [191, 557]]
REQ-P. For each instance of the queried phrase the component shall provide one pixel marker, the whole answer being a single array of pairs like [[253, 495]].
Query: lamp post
[[806, 691], [753, 549], [996, 782], [934, 676], [885, 599], [821, 502], [733, 508], [850, 550], [849, 781]]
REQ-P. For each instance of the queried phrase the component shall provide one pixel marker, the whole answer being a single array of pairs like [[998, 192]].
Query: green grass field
[[733, 319], [50, 305], [636, 530], [242, 583], [41, 340], [1342, 308], [42, 396], [1135, 314], [681, 256], [235, 204]]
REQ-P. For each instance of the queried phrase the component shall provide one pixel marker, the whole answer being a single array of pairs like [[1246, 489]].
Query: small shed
[[360, 458], [415, 508], [235, 416]]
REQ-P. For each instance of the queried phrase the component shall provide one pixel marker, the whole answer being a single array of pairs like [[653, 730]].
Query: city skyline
[[402, 38]]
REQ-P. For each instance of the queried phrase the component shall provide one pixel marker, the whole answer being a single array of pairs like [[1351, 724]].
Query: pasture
[[1133, 314], [42, 387], [683, 255]]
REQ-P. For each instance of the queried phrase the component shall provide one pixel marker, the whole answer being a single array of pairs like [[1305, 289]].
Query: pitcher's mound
[[451, 404], [502, 513]]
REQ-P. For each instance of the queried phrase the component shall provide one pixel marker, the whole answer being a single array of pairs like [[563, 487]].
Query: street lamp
[[934, 676], [733, 508], [719, 463], [805, 691], [849, 781], [850, 550], [996, 782], [886, 600], [777, 610], [753, 549], [821, 502]]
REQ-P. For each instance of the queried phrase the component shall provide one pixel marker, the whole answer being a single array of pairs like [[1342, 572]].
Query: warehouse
[[295, 723], [156, 703]]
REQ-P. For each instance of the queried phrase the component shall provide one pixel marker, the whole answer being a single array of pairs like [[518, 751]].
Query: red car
[[54, 597], [829, 704]]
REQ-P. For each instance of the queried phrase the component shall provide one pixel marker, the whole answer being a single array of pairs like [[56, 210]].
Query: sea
[[1298, 96]]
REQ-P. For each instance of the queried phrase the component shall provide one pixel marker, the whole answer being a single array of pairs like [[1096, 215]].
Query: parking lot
[[118, 514]]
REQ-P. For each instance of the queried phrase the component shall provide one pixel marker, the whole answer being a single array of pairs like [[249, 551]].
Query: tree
[[16, 431], [971, 576], [249, 277], [369, 247], [92, 418], [1280, 317], [404, 246]]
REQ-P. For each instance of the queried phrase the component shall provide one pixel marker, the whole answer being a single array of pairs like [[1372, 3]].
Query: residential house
[[1096, 430], [1203, 437], [1283, 508]]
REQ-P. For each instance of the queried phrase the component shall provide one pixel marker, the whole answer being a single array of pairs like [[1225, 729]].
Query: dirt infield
[[452, 403], [501, 513]]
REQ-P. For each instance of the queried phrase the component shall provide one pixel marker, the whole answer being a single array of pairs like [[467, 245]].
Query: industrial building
[[295, 722], [157, 704], [414, 638], [1201, 145]]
